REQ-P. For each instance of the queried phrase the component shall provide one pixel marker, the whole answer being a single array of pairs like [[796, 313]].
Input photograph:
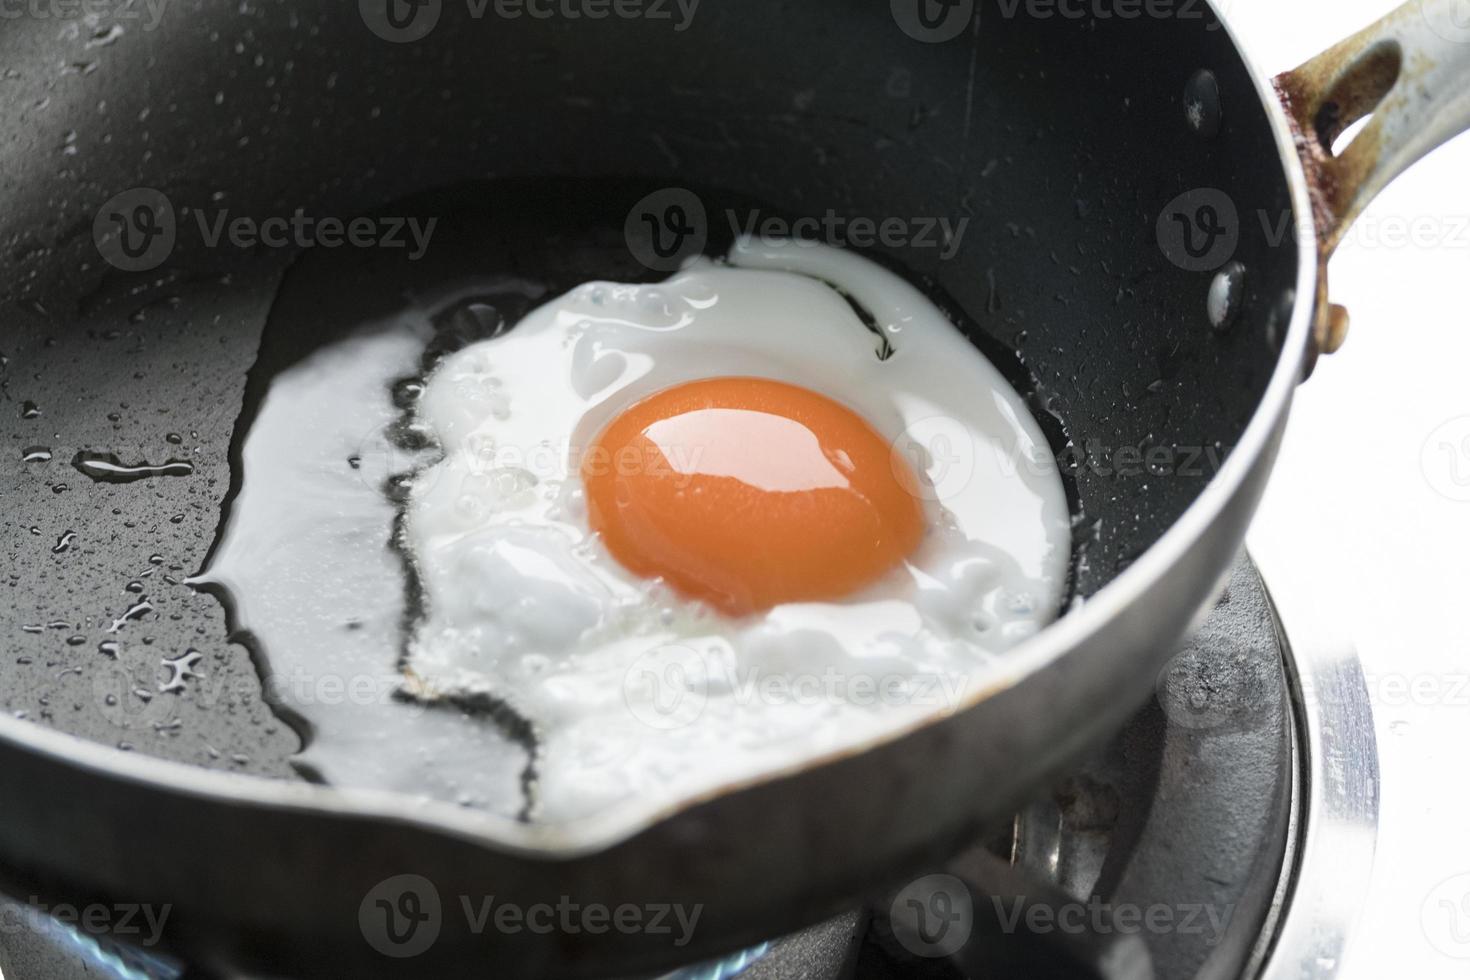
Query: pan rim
[[604, 831]]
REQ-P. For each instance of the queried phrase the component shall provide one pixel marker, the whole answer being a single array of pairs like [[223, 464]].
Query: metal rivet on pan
[[1335, 329], [1227, 295], [1202, 103]]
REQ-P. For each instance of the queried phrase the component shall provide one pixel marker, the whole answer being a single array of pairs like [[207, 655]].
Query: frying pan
[[1095, 156]]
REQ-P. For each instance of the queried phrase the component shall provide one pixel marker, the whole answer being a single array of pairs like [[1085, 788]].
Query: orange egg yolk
[[747, 493]]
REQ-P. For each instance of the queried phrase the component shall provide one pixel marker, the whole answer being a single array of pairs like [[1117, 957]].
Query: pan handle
[[1411, 72]]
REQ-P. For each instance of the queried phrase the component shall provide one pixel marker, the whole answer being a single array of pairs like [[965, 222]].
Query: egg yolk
[[747, 493]]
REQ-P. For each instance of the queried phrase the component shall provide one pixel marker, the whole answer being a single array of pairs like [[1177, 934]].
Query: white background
[[1361, 521]]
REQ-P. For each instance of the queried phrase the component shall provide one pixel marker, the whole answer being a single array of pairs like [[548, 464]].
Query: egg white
[[640, 698]]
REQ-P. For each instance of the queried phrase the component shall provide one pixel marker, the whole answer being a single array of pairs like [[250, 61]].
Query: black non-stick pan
[[1148, 223]]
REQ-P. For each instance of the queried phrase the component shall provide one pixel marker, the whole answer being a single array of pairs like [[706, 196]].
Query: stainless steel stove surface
[[1227, 832]]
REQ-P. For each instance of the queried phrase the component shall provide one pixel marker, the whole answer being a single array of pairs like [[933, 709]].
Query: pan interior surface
[[1059, 143]]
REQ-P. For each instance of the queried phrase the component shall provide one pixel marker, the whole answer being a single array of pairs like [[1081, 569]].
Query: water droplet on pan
[[104, 37], [407, 392], [107, 468], [181, 669], [135, 611], [1227, 296], [1202, 109]]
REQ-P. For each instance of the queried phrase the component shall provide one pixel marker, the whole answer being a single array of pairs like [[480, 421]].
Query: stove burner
[[1161, 856], [1227, 832]]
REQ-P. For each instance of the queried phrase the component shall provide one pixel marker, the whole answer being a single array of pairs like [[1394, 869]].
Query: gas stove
[[1228, 832]]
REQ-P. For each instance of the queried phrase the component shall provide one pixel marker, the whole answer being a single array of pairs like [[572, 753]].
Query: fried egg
[[701, 530]]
